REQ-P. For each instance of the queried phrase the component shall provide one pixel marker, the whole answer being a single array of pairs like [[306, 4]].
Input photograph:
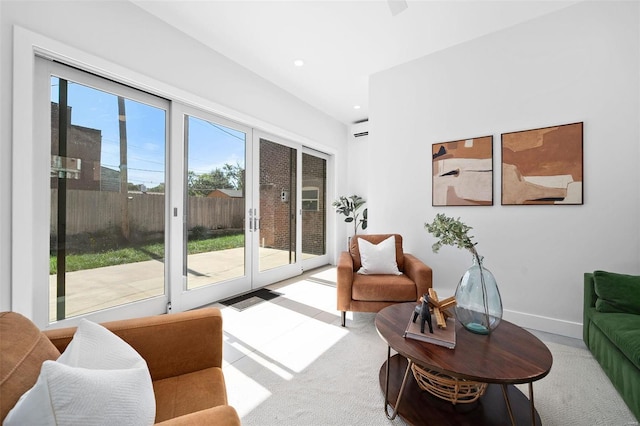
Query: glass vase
[[478, 303]]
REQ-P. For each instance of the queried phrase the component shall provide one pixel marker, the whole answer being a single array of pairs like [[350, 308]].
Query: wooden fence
[[96, 211]]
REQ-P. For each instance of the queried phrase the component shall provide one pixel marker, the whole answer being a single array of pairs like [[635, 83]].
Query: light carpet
[[289, 362]]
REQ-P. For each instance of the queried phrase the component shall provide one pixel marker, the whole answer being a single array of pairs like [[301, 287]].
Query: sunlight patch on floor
[[243, 393], [278, 339]]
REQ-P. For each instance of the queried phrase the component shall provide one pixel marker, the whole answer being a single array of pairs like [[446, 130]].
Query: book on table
[[441, 336]]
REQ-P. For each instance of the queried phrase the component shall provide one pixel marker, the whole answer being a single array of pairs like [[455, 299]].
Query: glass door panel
[[314, 201], [214, 203], [276, 219], [107, 199]]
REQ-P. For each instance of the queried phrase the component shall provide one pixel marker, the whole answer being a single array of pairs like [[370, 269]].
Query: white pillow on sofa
[[98, 380], [378, 259]]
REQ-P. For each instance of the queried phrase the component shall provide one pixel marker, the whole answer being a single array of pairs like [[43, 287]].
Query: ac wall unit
[[360, 129]]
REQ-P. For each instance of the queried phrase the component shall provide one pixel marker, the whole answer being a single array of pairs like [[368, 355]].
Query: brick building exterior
[[84, 144]]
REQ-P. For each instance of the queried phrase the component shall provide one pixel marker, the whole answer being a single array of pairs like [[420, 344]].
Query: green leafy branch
[[350, 206], [450, 232]]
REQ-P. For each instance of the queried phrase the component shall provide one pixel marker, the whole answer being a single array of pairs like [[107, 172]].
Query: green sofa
[[611, 330]]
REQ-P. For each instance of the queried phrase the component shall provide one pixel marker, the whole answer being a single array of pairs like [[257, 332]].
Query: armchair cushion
[[388, 288], [378, 259], [354, 248], [188, 393]]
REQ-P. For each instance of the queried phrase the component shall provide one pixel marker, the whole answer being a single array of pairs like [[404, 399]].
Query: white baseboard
[[546, 324]]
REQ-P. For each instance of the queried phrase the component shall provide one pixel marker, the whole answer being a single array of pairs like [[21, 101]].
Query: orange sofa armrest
[[172, 344], [344, 281], [419, 273]]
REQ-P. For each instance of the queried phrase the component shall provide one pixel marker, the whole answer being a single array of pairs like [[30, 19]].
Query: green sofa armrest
[[589, 303]]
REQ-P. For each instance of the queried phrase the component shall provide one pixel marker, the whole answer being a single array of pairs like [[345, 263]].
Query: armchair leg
[[344, 318]]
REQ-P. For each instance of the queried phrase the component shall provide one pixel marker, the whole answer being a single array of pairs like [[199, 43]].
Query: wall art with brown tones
[[543, 166], [463, 172]]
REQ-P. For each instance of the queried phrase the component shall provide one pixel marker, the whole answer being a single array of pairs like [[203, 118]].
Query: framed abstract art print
[[543, 166], [462, 172]]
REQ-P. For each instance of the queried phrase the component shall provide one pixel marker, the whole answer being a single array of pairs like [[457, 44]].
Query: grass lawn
[[78, 262]]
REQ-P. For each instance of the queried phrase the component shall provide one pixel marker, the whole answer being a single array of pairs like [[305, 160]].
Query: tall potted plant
[[478, 302], [350, 207]]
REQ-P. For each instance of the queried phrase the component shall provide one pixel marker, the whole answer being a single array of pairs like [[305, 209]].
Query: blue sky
[[210, 145]]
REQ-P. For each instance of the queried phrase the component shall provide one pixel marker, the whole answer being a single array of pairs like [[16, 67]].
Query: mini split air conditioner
[[360, 129]]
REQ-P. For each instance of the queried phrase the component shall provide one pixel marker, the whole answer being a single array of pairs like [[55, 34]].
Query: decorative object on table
[[441, 336], [350, 206], [440, 308], [431, 309], [423, 311], [543, 166], [462, 172], [478, 302], [447, 387]]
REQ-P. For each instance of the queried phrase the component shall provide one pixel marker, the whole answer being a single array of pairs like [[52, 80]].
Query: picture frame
[[543, 166], [462, 172]]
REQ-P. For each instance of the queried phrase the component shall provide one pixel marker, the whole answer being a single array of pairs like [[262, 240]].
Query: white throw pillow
[[98, 380], [378, 259]]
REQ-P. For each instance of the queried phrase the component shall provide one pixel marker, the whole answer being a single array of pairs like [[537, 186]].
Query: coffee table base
[[418, 407]]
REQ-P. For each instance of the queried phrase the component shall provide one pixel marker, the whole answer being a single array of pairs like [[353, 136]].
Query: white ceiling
[[341, 42]]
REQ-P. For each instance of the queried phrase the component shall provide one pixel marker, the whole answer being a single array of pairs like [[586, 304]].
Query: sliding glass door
[[274, 224], [314, 209], [216, 251], [107, 198], [154, 206], [214, 202]]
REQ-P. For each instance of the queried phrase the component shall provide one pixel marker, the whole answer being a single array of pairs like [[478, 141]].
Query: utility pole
[[124, 190]]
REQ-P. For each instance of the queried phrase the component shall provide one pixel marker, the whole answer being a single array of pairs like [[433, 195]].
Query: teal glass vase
[[478, 302]]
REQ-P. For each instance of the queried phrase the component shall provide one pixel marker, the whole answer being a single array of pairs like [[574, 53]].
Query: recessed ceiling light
[[298, 62], [356, 107]]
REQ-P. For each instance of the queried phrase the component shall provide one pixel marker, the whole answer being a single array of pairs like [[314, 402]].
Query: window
[[310, 199], [107, 184], [59, 193]]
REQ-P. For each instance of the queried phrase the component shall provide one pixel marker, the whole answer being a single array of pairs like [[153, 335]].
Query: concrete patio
[[100, 288]]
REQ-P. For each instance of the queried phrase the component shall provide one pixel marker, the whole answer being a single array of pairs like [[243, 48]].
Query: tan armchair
[[183, 352], [371, 293]]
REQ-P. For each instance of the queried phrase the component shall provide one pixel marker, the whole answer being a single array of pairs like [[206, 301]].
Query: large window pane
[[107, 199], [314, 177], [215, 202], [277, 221]]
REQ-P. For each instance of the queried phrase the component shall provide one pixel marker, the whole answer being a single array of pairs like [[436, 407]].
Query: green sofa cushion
[[624, 332], [617, 293]]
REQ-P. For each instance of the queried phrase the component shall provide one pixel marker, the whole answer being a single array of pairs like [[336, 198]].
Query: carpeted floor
[[288, 362]]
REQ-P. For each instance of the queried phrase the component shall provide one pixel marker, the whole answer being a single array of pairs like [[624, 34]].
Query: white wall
[[358, 182], [578, 64], [123, 34]]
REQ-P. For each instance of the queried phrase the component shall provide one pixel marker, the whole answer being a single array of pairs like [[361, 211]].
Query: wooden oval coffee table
[[509, 355]]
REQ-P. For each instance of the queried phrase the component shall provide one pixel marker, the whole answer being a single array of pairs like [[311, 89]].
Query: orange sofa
[[183, 352], [371, 293]]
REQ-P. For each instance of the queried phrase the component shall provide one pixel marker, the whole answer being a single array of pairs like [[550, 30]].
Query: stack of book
[[441, 336]]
